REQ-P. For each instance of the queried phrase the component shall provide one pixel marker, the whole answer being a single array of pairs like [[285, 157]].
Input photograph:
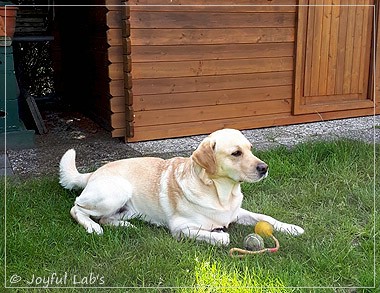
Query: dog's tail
[[69, 177]]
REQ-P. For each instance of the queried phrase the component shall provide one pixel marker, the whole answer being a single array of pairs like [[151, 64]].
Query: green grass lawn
[[327, 188]]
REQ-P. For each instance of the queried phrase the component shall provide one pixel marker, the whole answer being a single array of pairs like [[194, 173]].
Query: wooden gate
[[334, 45]]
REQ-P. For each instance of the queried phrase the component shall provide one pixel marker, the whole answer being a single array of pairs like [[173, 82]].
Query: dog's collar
[[220, 229]]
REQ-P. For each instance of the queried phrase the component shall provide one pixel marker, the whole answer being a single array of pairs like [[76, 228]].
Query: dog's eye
[[237, 154]]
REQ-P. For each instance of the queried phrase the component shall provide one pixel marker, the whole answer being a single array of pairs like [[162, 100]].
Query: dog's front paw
[[220, 238], [94, 228], [290, 229]]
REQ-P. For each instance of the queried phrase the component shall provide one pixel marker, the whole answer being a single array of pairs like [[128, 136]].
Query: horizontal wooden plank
[[209, 20], [184, 100], [329, 99], [110, 4], [114, 36], [211, 36], [221, 5], [328, 107], [114, 19], [142, 133], [116, 71], [117, 104], [209, 83], [209, 67], [215, 8], [171, 116], [115, 54], [118, 132], [211, 52], [116, 87], [118, 120]]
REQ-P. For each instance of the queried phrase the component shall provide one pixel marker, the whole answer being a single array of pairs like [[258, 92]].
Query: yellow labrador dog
[[196, 197]]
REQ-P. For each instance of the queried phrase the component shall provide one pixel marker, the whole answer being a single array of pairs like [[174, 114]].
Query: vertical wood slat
[[341, 48], [316, 55], [324, 59], [357, 50], [333, 49], [315, 45], [366, 47], [300, 82], [376, 71], [347, 75], [308, 32]]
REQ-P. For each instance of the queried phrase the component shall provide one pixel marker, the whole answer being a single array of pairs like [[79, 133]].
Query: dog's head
[[227, 153]]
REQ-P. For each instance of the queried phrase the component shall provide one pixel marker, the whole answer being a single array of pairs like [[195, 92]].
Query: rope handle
[[243, 252]]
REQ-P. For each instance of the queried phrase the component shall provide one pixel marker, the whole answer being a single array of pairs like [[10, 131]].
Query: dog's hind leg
[[83, 218], [101, 202], [117, 219]]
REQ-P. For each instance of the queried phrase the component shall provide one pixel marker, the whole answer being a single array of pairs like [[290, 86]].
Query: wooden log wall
[[107, 49], [199, 68], [115, 54], [196, 69], [92, 66]]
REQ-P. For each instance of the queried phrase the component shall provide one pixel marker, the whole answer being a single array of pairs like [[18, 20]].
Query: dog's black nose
[[262, 168]]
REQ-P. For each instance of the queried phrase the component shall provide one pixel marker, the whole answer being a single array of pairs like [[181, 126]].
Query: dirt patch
[[67, 130]]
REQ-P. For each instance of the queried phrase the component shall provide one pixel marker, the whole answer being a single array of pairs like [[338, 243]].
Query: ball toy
[[264, 229], [253, 242]]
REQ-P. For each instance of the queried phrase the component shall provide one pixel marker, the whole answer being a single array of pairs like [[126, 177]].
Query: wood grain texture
[[222, 5], [210, 83], [186, 36], [202, 20], [211, 52], [205, 127], [209, 98], [203, 63], [195, 69], [333, 65], [204, 113], [210, 67]]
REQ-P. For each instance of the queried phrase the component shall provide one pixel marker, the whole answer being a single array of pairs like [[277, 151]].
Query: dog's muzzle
[[262, 169]]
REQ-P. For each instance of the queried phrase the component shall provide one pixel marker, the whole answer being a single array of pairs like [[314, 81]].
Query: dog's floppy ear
[[204, 156]]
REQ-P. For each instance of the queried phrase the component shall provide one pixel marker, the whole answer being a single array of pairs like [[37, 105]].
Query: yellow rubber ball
[[264, 229]]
